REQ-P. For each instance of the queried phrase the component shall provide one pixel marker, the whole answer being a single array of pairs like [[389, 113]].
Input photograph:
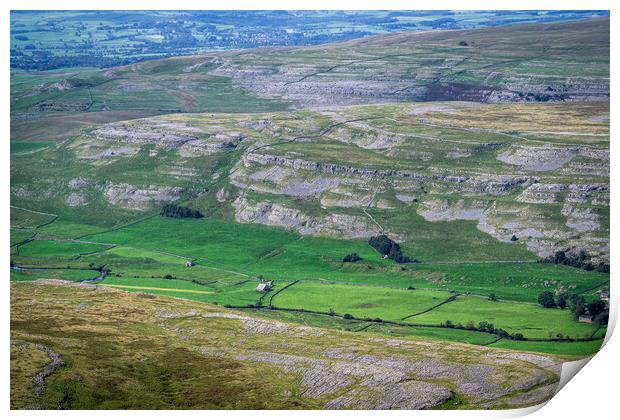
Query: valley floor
[[312, 286]]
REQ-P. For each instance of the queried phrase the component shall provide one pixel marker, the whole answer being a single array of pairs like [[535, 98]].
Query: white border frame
[[591, 395]]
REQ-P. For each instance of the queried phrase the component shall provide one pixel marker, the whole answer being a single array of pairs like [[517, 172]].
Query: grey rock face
[[140, 198]]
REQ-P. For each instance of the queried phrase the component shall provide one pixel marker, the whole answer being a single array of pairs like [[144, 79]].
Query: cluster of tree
[[349, 316], [388, 247], [179, 212], [202, 282], [352, 258], [580, 260], [597, 309], [484, 326]]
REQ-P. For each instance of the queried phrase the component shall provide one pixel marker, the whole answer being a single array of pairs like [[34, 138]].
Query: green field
[[59, 249], [25, 147], [359, 301], [533, 321], [24, 218], [229, 256], [574, 349], [60, 274]]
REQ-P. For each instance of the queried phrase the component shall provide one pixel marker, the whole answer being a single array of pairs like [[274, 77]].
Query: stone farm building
[[264, 286]]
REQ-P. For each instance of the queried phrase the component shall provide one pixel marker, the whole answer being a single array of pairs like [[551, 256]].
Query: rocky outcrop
[[538, 159], [328, 168], [273, 214], [140, 198], [542, 193]]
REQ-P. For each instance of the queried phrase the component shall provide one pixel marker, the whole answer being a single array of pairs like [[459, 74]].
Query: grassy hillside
[[287, 195], [523, 63], [445, 179], [216, 358]]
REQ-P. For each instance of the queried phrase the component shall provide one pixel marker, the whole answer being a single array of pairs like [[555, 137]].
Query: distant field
[[241, 247], [256, 249], [60, 274], [29, 219], [58, 249], [129, 252], [241, 294], [22, 147], [229, 256], [19, 235], [359, 301], [575, 350], [533, 321]]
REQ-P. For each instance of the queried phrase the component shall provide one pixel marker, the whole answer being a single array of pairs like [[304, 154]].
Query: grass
[[533, 321], [359, 301], [129, 252], [255, 249], [59, 249], [574, 350], [229, 256], [25, 218], [56, 273], [20, 235], [240, 247], [128, 350], [24, 147]]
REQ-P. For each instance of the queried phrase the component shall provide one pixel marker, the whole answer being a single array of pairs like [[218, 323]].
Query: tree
[[173, 210], [502, 333], [595, 307], [352, 258], [559, 257], [331, 312], [546, 299], [347, 316], [561, 301], [381, 243], [389, 248], [602, 318], [485, 326], [577, 305]]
